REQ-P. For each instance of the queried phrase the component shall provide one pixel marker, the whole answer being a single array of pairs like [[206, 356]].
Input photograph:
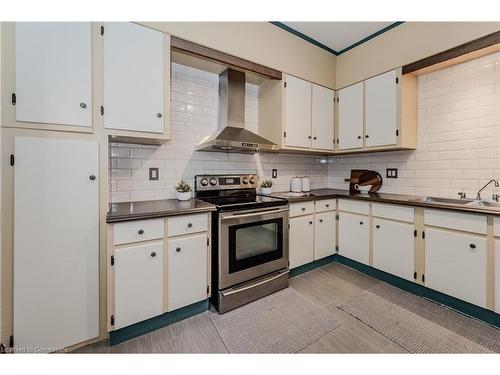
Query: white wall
[[458, 142], [194, 116]]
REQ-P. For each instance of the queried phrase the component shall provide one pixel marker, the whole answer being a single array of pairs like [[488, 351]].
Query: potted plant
[[183, 191], [266, 187]]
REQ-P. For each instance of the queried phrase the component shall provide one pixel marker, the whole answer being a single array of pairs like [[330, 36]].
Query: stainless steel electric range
[[249, 240]]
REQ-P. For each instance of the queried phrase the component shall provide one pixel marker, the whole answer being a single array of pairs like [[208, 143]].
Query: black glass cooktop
[[243, 201]]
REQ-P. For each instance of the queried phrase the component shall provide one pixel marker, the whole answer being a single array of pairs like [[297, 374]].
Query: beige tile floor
[[327, 286]]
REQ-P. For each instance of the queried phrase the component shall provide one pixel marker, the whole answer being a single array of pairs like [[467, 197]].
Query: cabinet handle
[[92, 177], [158, 115], [472, 246], [153, 254], [310, 222], [359, 137], [140, 231], [190, 225], [360, 223], [83, 105], [178, 249], [320, 220], [377, 226]]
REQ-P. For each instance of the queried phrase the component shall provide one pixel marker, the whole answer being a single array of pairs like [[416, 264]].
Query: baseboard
[[310, 266], [150, 325]]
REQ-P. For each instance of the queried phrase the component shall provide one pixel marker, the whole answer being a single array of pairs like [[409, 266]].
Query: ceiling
[[336, 37]]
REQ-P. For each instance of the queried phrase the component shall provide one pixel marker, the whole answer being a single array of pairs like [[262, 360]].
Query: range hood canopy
[[232, 136]]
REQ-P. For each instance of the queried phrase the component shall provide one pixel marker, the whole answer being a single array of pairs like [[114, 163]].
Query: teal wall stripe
[[321, 45], [150, 325]]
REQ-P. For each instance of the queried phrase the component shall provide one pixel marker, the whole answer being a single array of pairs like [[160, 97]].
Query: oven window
[[255, 243]]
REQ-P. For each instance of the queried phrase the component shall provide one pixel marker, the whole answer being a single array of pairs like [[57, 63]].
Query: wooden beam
[[477, 44], [191, 48]]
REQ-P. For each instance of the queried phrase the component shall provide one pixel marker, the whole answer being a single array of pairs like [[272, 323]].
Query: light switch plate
[[275, 173], [154, 174], [391, 173]]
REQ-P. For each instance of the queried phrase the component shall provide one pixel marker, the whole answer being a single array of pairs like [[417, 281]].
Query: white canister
[[306, 184], [296, 184]]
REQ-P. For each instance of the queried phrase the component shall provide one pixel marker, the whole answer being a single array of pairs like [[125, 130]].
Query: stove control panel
[[225, 182]]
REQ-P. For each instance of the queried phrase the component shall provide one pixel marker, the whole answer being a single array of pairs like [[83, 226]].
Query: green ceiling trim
[[326, 48]]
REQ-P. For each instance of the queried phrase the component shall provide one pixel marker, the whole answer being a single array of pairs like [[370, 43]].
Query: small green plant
[[183, 187], [266, 184]]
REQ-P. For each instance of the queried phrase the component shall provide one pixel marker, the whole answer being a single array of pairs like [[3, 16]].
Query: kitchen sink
[[485, 204], [453, 201]]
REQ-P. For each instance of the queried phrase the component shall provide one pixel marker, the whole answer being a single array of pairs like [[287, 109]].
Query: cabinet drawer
[[303, 208], [354, 206], [455, 220], [135, 231], [187, 224], [394, 212], [496, 226], [325, 205]]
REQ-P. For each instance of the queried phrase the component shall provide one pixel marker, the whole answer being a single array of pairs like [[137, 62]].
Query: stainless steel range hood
[[232, 136]]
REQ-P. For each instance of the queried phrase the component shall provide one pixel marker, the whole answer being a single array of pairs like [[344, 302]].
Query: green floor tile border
[[463, 307], [150, 325]]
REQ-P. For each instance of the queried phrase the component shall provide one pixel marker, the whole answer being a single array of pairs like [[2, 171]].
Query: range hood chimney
[[231, 135]]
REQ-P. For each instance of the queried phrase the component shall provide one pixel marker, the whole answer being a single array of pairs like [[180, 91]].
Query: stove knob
[[204, 182], [245, 180], [213, 181], [252, 180]]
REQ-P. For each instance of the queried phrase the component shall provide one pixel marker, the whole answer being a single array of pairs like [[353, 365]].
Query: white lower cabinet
[[186, 270], [393, 247], [354, 237], [455, 264], [301, 240], [138, 283], [497, 276], [324, 235]]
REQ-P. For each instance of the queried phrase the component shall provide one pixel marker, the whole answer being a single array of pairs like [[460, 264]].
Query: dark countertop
[[409, 200], [151, 209]]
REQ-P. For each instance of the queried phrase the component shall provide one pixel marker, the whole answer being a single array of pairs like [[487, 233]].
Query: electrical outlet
[[391, 173], [275, 173], [154, 174]]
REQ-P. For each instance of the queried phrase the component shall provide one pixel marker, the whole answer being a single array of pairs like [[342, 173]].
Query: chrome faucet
[[478, 197]]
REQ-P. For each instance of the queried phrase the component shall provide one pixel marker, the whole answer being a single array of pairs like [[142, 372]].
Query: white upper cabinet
[[381, 110], [350, 117], [322, 118], [297, 112], [134, 78], [53, 73]]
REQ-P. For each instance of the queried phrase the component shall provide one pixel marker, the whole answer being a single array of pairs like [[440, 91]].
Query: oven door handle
[[243, 288], [255, 213]]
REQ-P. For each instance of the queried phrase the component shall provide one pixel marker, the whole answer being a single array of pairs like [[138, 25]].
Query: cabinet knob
[[310, 222], [190, 225], [327, 205], [320, 220], [140, 231], [472, 246], [303, 208], [153, 254], [360, 223], [178, 249], [309, 137], [158, 115], [83, 105], [367, 136], [92, 177], [315, 137], [359, 137], [377, 226]]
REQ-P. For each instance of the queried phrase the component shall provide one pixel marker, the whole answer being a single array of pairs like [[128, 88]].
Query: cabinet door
[[353, 237], [301, 239], [455, 264], [393, 247], [324, 235], [350, 118], [497, 276], [187, 270], [133, 77], [322, 118], [297, 112], [53, 73], [56, 249], [138, 283], [381, 110]]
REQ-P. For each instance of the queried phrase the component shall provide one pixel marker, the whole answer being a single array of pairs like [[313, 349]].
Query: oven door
[[252, 243]]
